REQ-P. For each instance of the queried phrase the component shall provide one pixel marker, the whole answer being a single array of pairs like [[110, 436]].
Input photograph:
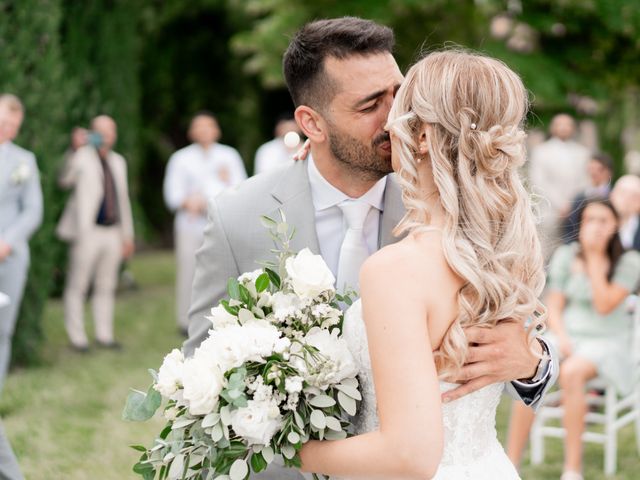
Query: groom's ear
[[311, 123]]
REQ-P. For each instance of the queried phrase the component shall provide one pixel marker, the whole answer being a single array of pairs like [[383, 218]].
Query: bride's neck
[[429, 194]]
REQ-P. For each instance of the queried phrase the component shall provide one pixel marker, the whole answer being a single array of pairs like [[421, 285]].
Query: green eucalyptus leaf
[[348, 403], [267, 454], [322, 401], [350, 391], [239, 470], [140, 406], [288, 451], [233, 288], [318, 420]]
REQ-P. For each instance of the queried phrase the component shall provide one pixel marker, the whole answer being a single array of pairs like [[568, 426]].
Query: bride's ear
[[423, 144]]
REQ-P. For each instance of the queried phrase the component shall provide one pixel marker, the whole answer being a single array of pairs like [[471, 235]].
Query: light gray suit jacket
[[235, 241], [83, 172], [20, 198]]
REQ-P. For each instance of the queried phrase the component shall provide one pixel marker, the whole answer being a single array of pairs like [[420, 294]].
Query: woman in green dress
[[588, 323]]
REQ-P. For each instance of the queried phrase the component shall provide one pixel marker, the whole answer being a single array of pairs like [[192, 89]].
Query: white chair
[[613, 411]]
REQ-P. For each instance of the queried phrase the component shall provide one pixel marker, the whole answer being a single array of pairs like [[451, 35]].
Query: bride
[[471, 256]]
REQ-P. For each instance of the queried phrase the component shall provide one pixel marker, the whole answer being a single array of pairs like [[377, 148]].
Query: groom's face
[[364, 91]]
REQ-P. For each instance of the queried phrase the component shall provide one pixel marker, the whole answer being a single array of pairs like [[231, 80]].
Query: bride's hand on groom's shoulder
[[496, 355], [303, 152]]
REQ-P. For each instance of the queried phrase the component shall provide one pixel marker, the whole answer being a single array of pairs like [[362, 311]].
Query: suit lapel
[[293, 193], [7, 166], [393, 212]]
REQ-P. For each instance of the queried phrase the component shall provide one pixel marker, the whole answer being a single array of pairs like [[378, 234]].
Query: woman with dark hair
[[588, 283]]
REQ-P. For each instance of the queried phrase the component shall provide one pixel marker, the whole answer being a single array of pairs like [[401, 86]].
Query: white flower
[[220, 318], [258, 422], [293, 384], [235, 344], [284, 305], [202, 383], [250, 277], [21, 174], [337, 363], [309, 274], [170, 374]]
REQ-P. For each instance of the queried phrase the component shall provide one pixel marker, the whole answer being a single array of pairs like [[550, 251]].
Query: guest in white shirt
[[625, 197], [276, 153], [194, 174], [558, 172]]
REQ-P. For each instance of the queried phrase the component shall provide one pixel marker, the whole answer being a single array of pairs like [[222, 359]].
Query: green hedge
[[31, 67], [68, 61]]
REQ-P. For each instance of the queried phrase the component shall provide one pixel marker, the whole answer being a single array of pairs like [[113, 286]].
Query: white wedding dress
[[471, 446]]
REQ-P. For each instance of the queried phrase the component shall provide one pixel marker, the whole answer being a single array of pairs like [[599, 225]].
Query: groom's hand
[[496, 355]]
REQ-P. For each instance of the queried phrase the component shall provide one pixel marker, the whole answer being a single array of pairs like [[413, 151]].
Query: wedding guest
[[600, 170], [626, 199], [557, 172], [97, 221], [20, 217], [194, 174], [588, 284], [276, 153]]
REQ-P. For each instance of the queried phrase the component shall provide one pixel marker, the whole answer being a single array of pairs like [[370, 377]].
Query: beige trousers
[[187, 244], [95, 257]]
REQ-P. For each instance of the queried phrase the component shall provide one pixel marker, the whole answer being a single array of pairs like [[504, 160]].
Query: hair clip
[[473, 126]]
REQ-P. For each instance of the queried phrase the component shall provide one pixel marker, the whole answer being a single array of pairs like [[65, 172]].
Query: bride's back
[[457, 142]]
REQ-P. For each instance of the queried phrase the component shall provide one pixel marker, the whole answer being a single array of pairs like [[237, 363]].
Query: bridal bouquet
[[273, 373]]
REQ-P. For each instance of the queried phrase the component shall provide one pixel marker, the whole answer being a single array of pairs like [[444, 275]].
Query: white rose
[[309, 274], [258, 422], [334, 349], [170, 374], [202, 384], [293, 384], [220, 318]]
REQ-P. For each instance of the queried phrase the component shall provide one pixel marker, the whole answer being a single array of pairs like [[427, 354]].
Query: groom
[[342, 77]]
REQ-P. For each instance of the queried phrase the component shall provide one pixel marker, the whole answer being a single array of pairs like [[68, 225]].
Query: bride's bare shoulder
[[417, 259]]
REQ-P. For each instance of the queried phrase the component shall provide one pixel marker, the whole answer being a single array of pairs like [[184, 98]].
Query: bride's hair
[[472, 109]]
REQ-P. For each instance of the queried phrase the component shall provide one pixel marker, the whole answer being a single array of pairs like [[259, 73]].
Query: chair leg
[[637, 422], [536, 440], [611, 442]]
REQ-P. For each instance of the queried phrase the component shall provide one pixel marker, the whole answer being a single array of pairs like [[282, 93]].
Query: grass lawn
[[63, 419]]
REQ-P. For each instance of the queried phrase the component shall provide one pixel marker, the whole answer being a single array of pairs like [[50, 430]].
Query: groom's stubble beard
[[363, 160]]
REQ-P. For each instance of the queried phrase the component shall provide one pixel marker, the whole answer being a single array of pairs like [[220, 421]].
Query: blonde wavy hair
[[472, 110]]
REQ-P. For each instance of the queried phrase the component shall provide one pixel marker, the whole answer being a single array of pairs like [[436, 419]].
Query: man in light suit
[[97, 221], [20, 216], [342, 77]]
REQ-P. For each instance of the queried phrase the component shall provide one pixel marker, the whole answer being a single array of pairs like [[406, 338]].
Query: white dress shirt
[[194, 170], [330, 223], [627, 231], [558, 172], [272, 154]]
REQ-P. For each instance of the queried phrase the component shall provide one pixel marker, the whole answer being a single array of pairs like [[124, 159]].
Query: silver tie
[[354, 250]]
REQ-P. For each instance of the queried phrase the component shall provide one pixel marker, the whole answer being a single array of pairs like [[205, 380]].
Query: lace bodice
[[471, 447]]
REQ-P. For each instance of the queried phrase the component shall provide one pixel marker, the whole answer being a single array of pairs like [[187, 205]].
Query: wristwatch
[[543, 365]]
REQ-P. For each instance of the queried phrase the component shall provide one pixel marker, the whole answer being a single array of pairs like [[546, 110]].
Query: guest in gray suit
[[20, 216], [342, 111]]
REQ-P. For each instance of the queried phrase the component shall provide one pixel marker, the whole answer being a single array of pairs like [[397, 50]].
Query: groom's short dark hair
[[303, 61]]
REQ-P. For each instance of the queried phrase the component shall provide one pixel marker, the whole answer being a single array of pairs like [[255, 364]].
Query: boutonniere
[[21, 174]]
